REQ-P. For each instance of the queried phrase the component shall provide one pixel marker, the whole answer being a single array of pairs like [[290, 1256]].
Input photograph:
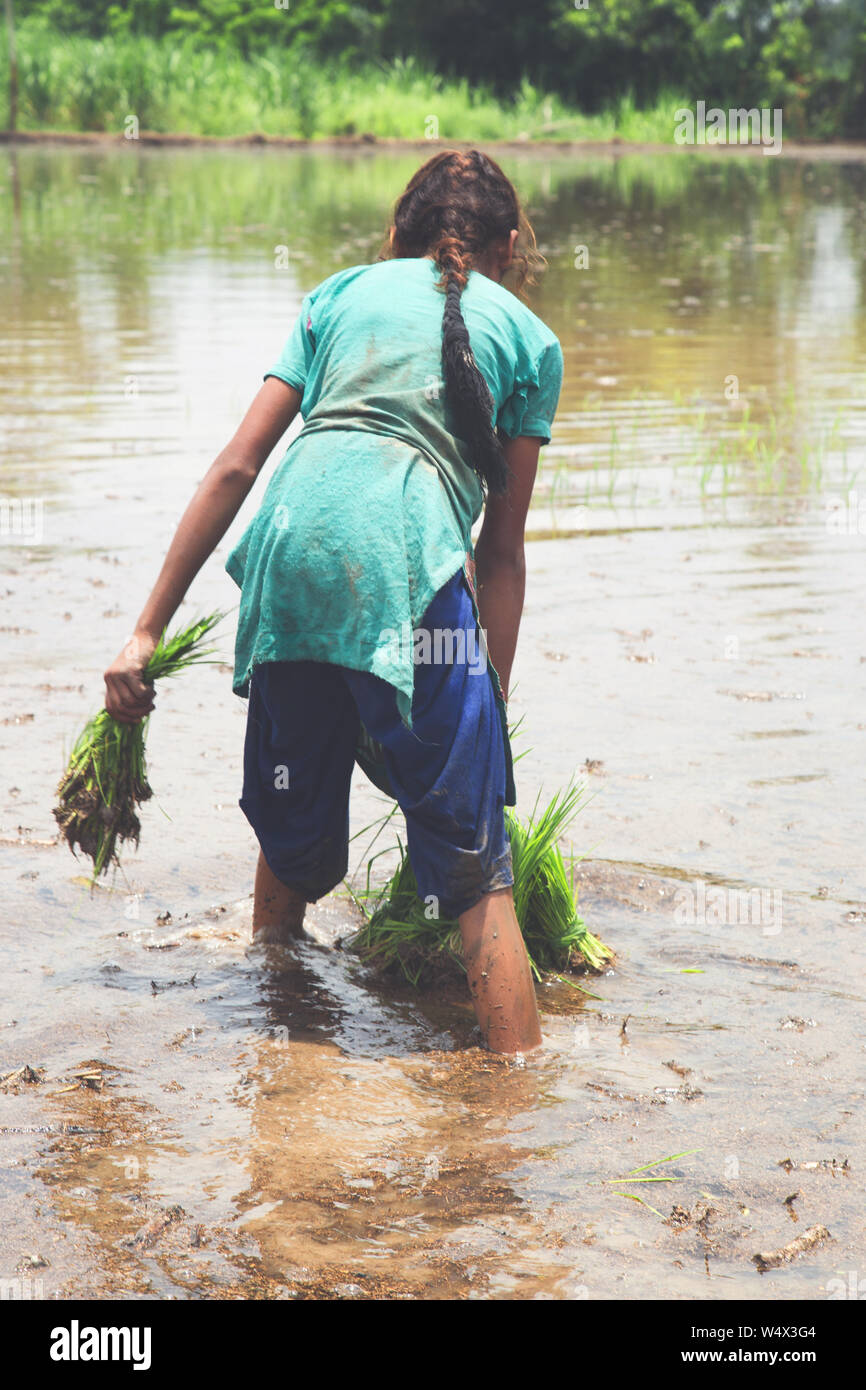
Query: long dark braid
[[453, 209]]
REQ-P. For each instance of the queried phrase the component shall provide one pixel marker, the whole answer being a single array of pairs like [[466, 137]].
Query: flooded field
[[184, 1116]]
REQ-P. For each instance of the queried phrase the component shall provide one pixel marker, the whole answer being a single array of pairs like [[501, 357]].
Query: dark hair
[[453, 209]]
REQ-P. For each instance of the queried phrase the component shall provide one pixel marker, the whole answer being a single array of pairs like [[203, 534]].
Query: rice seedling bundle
[[106, 778], [401, 932]]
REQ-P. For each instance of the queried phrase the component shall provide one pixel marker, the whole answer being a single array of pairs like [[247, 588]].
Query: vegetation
[[401, 933], [483, 69], [107, 777], [85, 84]]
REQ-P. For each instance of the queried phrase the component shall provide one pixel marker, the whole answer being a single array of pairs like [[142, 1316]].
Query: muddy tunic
[[371, 509]]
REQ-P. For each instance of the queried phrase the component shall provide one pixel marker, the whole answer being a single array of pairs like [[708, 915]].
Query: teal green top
[[371, 509]]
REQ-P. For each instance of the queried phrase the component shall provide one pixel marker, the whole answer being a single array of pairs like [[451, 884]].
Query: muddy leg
[[500, 980], [278, 911]]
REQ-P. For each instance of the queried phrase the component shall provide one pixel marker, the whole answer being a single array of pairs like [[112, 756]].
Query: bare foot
[[277, 933], [278, 911]]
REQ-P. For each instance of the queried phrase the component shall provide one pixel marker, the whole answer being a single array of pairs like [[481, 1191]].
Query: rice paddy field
[[184, 1116]]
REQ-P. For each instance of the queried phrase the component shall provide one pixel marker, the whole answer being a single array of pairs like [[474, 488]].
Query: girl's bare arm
[[500, 562], [213, 508]]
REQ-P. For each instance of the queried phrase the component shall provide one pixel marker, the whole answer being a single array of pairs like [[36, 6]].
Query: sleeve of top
[[297, 355], [532, 404]]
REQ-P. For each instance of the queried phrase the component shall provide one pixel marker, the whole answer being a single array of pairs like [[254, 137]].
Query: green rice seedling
[[398, 932], [544, 894], [106, 778], [635, 1175], [402, 931]]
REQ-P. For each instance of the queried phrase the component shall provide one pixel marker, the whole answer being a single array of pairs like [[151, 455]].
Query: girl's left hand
[[128, 698]]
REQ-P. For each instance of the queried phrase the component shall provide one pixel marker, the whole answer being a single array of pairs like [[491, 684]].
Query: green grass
[[641, 1174], [106, 778], [403, 932], [171, 85]]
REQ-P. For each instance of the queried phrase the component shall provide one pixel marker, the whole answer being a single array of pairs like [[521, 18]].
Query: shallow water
[[285, 1126]]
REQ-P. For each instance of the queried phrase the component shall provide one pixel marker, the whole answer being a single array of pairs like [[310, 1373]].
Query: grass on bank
[[83, 84]]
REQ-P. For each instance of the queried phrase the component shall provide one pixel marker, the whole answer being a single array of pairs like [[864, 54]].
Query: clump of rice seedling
[[106, 778], [399, 933]]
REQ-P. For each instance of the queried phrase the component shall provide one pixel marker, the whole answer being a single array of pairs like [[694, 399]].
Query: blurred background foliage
[[610, 57]]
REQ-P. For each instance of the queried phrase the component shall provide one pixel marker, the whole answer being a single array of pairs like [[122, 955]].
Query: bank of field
[[109, 84]]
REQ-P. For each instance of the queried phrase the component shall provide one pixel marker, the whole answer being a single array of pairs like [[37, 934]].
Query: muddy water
[[204, 1120]]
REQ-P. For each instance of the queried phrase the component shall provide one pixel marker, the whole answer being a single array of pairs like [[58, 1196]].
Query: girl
[[426, 389]]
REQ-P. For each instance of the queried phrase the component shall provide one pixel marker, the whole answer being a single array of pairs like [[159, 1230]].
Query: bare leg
[[278, 911], [500, 979]]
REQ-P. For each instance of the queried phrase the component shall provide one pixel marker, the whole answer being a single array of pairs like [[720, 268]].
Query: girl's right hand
[[128, 698]]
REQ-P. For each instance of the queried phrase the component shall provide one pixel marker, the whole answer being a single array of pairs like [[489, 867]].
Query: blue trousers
[[448, 772]]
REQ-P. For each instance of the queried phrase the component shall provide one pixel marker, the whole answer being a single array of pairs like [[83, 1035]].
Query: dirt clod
[[800, 1245]]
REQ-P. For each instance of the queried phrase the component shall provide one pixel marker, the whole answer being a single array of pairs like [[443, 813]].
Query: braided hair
[[454, 209]]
